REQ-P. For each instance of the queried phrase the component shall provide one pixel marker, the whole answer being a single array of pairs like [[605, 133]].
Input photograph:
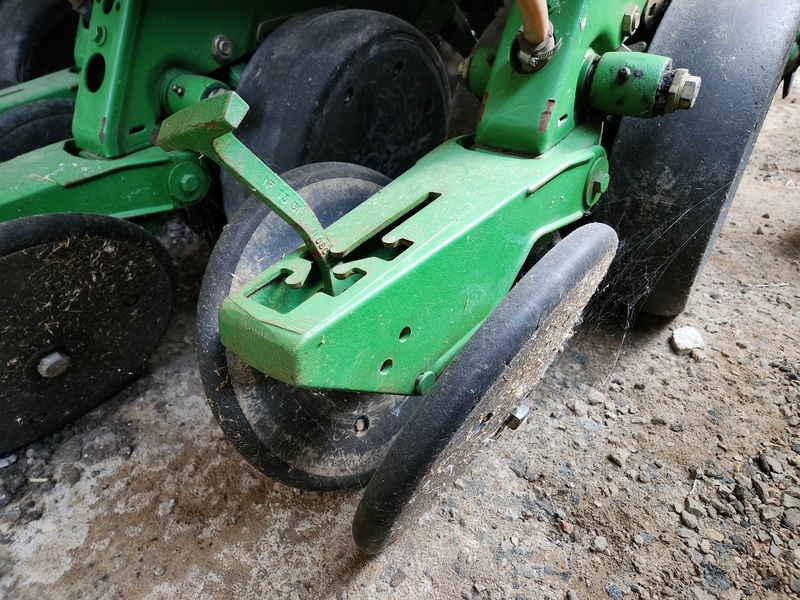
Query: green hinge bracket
[[449, 237]]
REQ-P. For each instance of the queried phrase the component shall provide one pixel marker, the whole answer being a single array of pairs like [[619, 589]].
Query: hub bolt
[[516, 418], [630, 21], [682, 92], [53, 365]]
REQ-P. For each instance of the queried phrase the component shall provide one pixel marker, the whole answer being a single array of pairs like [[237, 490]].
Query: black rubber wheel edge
[[292, 84], [30, 126], [674, 178], [215, 369], [36, 37], [36, 231], [390, 501]]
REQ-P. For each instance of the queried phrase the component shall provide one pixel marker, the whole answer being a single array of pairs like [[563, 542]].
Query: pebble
[[526, 571], [677, 427], [791, 519], [159, 571], [600, 544], [398, 578], [794, 585], [790, 501], [770, 512], [7, 461], [713, 534], [619, 456], [644, 478], [686, 339], [705, 546], [614, 591], [689, 520], [581, 409]]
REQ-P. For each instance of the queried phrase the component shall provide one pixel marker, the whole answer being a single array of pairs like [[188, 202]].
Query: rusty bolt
[[222, 48], [682, 92], [630, 21], [53, 365]]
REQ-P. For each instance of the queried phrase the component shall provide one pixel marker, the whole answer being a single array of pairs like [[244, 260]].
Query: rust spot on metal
[[483, 107], [544, 120], [102, 136]]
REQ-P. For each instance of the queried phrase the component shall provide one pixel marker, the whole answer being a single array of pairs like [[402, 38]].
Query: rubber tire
[[36, 37], [31, 126], [452, 416], [264, 440], [321, 88], [113, 276], [674, 178]]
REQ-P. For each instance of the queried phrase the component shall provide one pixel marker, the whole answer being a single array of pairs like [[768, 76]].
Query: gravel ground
[[641, 472]]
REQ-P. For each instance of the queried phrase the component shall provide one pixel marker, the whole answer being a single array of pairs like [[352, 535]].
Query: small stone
[[689, 520], [677, 427], [705, 546], [571, 595], [619, 456], [600, 544], [770, 512], [794, 585], [698, 355], [686, 339], [567, 527], [769, 464], [762, 491], [790, 501], [398, 578], [614, 591], [695, 508], [581, 409], [759, 231], [382, 587], [8, 460], [791, 519], [644, 477], [677, 507], [526, 571], [159, 571], [774, 550], [71, 475], [713, 534]]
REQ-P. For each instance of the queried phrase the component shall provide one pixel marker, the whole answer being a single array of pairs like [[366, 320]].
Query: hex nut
[[222, 48], [630, 21], [683, 91]]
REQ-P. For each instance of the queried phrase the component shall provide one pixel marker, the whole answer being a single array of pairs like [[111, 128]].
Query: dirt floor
[[640, 472]]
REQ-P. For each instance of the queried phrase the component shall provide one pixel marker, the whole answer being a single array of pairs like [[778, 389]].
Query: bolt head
[[222, 48], [190, 183], [54, 364], [689, 92], [630, 21], [99, 35]]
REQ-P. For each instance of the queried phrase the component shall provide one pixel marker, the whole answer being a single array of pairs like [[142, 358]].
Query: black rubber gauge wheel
[[673, 178], [31, 126], [310, 439], [469, 405], [36, 37], [85, 299], [355, 86]]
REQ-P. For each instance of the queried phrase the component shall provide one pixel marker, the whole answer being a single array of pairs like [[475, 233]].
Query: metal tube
[[535, 22]]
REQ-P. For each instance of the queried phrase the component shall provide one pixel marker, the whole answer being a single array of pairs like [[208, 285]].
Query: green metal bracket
[[62, 84], [424, 240], [439, 230], [57, 179], [531, 113]]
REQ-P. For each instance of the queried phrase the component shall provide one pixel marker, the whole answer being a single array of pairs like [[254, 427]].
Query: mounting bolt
[[630, 21], [189, 184], [596, 182], [99, 35], [683, 91], [516, 418], [54, 364], [222, 48]]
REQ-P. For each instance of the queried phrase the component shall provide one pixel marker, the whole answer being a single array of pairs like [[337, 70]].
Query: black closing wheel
[[310, 439], [673, 178], [31, 126], [36, 37], [472, 400], [85, 299], [356, 86]]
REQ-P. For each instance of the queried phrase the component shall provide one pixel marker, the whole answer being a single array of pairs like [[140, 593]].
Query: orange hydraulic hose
[[535, 23]]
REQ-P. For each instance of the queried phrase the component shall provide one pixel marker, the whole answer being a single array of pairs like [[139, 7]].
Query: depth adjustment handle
[[207, 127]]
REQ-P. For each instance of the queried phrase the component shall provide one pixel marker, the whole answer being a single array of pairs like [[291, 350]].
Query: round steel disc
[[85, 299]]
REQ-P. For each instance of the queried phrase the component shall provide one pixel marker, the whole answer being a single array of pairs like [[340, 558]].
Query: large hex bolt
[[630, 21], [683, 91], [54, 364]]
